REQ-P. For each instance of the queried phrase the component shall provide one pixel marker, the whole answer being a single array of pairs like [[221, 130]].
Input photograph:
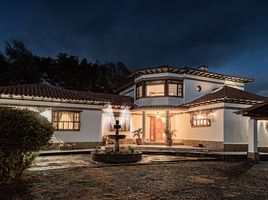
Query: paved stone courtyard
[[83, 160]]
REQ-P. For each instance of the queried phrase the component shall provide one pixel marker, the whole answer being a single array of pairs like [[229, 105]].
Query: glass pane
[[155, 90], [60, 125], [139, 91], [172, 89], [65, 116], [76, 126], [55, 116]]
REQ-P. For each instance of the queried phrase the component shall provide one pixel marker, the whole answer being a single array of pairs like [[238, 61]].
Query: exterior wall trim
[[51, 106]]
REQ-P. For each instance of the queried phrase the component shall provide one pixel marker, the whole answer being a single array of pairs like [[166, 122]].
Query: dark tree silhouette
[[18, 65]]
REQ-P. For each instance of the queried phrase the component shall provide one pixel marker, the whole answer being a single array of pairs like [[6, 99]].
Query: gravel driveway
[[182, 180]]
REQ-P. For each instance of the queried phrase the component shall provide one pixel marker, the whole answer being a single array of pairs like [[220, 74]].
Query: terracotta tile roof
[[189, 70], [257, 111], [228, 94], [47, 91], [113, 99]]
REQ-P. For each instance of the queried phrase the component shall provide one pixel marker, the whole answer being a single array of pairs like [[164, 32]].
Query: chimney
[[203, 68]]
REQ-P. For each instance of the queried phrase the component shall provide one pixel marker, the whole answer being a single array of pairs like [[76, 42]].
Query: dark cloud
[[226, 34]]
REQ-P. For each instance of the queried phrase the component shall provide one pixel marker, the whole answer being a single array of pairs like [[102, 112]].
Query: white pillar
[[167, 120], [143, 124], [253, 154]]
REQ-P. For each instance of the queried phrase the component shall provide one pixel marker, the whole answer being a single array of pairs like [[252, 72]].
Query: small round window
[[198, 88]]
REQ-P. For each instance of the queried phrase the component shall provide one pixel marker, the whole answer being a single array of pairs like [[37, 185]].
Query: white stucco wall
[[212, 133], [262, 133], [90, 127], [159, 101], [235, 128], [190, 89], [90, 130], [136, 122]]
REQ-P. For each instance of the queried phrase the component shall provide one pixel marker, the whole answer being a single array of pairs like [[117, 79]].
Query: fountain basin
[[114, 137], [116, 158]]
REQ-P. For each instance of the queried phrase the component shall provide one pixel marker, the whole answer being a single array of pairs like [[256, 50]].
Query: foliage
[[169, 134], [22, 133], [111, 150], [19, 66], [137, 133], [131, 149]]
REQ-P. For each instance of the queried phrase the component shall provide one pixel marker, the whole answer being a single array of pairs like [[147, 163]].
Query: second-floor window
[[139, 91], [174, 88], [159, 88], [155, 88]]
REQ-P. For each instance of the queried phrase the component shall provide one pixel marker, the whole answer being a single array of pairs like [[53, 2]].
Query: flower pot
[[169, 142], [139, 141]]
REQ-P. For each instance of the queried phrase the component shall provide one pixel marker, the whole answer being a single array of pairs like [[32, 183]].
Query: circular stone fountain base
[[117, 158]]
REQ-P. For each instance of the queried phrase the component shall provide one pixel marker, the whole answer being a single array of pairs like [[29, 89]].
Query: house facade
[[198, 104]]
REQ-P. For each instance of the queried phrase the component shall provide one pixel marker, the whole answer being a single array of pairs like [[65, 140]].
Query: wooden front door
[[156, 129]]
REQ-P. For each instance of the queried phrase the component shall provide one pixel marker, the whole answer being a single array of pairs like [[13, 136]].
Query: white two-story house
[[200, 105]]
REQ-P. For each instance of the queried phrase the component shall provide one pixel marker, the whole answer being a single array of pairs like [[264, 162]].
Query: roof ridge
[[228, 93]]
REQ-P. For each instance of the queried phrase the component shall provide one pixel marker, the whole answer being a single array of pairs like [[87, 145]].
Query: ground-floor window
[[201, 120], [66, 120]]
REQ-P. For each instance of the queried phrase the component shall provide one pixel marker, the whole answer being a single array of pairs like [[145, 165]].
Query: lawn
[[183, 180]]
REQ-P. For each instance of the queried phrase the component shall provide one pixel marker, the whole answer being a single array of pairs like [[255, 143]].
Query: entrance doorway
[[157, 126]]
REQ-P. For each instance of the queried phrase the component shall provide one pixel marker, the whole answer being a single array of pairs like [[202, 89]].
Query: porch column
[[167, 120], [143, 124], [253, 154]]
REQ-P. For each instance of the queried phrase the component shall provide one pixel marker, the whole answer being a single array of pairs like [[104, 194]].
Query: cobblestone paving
[[68, 161]]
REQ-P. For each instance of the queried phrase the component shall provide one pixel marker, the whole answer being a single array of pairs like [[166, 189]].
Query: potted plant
[[104, 140], [138, 133], [169, 134]]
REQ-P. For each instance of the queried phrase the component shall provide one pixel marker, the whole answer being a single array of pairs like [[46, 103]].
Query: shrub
[[22, 134]]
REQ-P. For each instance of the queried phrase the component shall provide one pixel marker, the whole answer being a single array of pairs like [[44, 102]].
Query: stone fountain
[[117, 136], [117, 155]]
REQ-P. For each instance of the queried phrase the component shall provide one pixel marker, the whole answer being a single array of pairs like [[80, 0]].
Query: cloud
[[223, 34]]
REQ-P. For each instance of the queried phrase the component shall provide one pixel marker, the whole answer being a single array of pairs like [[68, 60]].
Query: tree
[[22, 132], [23, 67], [18, 65]]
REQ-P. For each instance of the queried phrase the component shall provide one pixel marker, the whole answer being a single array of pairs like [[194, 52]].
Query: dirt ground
[[182, 180]]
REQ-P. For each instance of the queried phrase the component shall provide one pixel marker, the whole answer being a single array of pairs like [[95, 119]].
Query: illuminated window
[[159, 88], [200, 120], [66, 120], [124, 121], [139, 91], [155, 88], [174, 88]]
